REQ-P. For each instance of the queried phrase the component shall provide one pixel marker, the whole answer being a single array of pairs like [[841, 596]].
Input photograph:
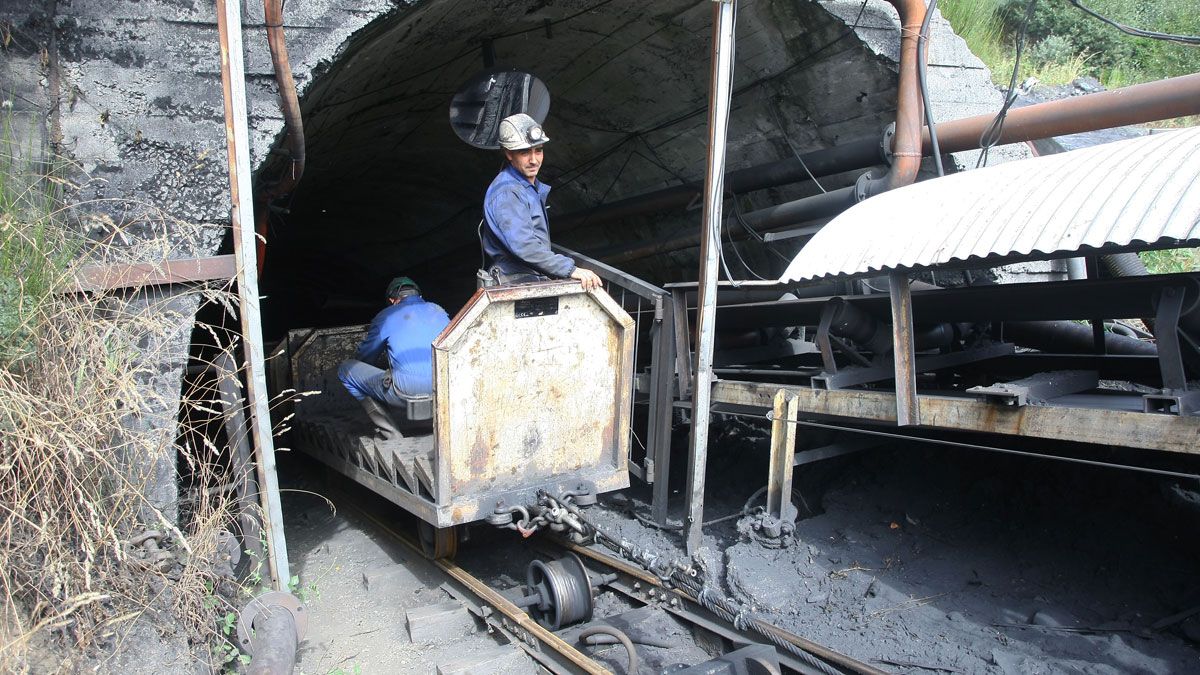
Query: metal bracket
[[828, 311], [1175, 398], [1038, 388]]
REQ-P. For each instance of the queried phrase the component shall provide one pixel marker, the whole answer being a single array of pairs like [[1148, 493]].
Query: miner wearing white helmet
[[517, 236]]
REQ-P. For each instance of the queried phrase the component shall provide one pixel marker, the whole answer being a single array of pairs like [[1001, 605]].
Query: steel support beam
[[93, 278], [720, 94], [1168, 433], [233, 81]]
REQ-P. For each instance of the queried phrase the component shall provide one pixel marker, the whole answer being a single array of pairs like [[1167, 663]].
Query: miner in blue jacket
[[405, 330], [517, 236]]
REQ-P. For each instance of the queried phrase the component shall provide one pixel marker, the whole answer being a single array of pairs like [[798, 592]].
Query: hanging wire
[[991, 135], [782, 132], [1192, 40], [923, 82]]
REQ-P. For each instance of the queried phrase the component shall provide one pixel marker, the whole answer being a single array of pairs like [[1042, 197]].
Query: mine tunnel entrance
[[389, 189]]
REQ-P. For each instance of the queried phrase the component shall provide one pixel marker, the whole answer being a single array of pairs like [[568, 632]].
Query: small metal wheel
[[563, 589], [438, 542]]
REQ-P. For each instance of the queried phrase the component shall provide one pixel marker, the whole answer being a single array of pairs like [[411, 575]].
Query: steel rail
[[833, 657], [524, 626]]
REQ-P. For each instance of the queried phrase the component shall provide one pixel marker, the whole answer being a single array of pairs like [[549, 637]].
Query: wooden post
[[783, 456]]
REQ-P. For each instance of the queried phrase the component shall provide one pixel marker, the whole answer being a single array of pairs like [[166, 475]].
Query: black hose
[[1068, 337], [639, 640], [1123, 265], [632, 668]]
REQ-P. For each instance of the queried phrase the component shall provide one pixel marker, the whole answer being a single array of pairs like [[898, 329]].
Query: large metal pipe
[[1138, 104], [289, 104], [856, 154], [906, 146], [1068, 337]]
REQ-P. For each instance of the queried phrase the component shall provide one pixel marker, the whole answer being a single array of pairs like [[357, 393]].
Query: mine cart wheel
[[438, 542]]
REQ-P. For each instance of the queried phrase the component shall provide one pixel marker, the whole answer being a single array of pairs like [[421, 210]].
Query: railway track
[[631, 607]]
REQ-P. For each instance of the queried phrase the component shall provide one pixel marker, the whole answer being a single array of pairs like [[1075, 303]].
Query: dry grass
[[89, 398]]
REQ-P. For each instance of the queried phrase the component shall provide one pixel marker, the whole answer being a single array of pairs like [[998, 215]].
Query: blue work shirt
[[407, 330], [517, 238]]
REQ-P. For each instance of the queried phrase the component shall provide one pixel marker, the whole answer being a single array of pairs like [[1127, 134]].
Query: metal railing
[[654, 384]]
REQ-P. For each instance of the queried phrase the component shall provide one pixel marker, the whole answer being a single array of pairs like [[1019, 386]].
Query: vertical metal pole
[[662, 368], [710, 247], [908, 410], [783, 456], [233, 81]]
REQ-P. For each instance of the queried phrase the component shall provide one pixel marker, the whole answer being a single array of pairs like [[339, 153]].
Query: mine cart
[[532, 387]]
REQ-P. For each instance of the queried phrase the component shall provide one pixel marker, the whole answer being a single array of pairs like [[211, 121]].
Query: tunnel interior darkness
[[389, 189]]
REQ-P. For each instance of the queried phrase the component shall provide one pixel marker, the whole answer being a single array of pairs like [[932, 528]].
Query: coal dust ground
[[911, 559], [948, 560]]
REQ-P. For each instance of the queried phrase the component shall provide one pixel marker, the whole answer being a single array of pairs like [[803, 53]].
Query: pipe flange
[[885, 147], [269, 600]]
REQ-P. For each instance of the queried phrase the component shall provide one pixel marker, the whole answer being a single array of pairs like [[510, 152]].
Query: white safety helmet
[[520, 131]]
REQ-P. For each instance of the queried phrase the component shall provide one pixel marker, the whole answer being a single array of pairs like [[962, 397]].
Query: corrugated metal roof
[[1143, 190]]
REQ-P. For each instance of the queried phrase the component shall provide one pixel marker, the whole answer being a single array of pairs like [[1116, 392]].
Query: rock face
[[130, 92]]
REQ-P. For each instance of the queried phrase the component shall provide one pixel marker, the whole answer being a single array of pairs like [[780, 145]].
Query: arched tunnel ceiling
[[390, 189]]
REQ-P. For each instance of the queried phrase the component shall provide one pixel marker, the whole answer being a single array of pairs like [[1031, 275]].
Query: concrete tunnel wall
[[130, 91]]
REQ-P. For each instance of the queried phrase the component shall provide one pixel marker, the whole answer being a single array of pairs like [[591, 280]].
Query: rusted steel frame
[[908, 411], [136, 275], [719, 99], [1169, 433], [783, 456], [519, 627], [1137, 104], [233, 83]]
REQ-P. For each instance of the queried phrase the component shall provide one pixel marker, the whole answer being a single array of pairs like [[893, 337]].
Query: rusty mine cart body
[[532, 387]]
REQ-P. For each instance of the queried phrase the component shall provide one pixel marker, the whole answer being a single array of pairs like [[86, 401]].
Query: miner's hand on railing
[[587, 277]]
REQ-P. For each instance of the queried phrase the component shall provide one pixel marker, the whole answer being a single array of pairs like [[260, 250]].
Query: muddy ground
[[911, 559], [945, 560]]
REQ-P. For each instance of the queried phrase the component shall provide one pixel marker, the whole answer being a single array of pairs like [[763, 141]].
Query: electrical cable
[[632, 667], [737, 211], [991, 135], [923, 82], [736, 252], [1191, 40], [787, 139]]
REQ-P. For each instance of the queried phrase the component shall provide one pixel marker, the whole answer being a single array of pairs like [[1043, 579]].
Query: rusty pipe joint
[[905, 149], [270, 628]]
